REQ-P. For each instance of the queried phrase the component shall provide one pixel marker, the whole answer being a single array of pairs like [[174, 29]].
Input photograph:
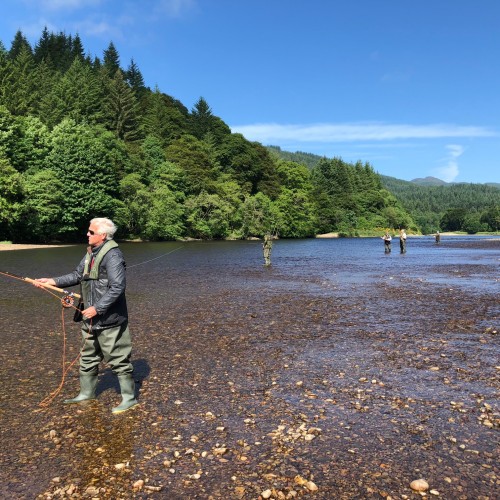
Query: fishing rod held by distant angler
[[68, 298]]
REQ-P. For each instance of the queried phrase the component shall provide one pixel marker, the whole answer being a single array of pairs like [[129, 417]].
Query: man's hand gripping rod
[[67, 300]]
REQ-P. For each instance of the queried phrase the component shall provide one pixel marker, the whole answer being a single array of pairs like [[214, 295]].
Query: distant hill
[[310, 160], [429, 181], [434, 181]]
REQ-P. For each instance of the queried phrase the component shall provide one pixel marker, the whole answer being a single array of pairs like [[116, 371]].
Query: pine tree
[[122, 109], [204, 123], [42, 47], [61, 51], [77, 51], [77, 95], [20, 83], [201, 118], [18, 44], [111, 60], [162, 119], [45, 78], [134, 78]]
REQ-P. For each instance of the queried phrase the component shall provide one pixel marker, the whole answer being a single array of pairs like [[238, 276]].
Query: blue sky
[[413, 88]]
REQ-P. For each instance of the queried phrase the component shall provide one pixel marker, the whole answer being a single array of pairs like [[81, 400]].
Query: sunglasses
[[91, 232]]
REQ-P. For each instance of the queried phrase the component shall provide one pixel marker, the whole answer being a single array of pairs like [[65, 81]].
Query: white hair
[[105, 226]]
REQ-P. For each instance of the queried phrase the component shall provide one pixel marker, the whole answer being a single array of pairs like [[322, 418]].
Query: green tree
[[208, 216], [42, 47], [58, 50], [258, 216], [83, 159], [122, 110], [171, 175], [132, 214], [21, 91], [5, 63], [111, 60], [135, 79], [204, 125], [42, 207], [472, 223], [166, 216], [293, 175], [162, 118], [32, 144], [10, 199], [193, 157], [201, 118], [77, 51], [325, 211], [453, 219], [19, 44], [46, 79], [77, 95], [9, 133], [250, 164], [297, 214], [491, 217]]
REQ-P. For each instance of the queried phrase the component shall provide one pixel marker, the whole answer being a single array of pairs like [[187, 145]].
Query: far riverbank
[[20, 246]]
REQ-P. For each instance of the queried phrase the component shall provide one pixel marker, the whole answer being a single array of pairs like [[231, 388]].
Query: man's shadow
[[108, 380]]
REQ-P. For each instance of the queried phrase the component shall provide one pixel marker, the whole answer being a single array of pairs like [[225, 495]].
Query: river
[[338, 365]]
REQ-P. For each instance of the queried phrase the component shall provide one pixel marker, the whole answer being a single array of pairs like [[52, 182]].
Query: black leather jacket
[[107, 293]]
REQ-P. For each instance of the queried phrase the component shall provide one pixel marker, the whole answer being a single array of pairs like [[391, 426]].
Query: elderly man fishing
[[101, 276]]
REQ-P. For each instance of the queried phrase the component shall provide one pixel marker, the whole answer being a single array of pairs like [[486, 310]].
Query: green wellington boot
[[127, 388], [88, 384]]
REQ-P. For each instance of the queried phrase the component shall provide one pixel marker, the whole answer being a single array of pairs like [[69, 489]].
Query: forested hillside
[[82, 137], [450, 207], [434, 204]]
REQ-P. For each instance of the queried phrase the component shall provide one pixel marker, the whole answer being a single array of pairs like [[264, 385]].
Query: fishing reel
[[68, 300]]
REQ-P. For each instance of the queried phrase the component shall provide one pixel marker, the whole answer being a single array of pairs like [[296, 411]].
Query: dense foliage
[[451, 207], [433, 204], [82, 137]]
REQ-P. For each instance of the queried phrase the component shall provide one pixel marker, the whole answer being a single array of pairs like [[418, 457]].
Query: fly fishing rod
[[68, 298]]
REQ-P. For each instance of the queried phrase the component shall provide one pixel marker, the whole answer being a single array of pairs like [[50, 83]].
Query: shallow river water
[[338, 372]]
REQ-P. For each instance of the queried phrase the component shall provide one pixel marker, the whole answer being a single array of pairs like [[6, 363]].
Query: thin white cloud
[[33, 30], [175, 8], [449, 172], [269, 133], [68, 4], [100, 28]]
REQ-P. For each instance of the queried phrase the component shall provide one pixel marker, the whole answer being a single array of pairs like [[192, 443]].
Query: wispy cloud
[[449, 171], [68, 4], [34, 29], [353, 132], [175, 8], [99, 17], [100, 29]]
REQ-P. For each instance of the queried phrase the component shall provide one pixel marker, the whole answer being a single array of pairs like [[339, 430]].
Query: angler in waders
[[267, 246], [387, 242], [101, 276]]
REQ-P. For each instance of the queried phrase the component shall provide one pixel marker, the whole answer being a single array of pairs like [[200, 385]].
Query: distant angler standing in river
[[387, 242], [267, 247], [402, 240]]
